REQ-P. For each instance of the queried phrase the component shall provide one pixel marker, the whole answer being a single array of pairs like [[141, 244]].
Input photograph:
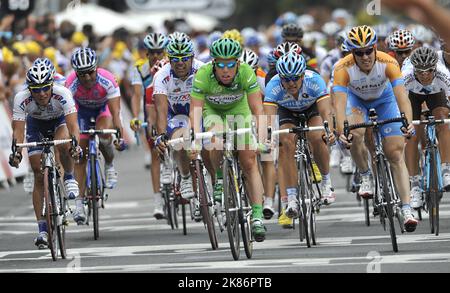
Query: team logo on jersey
[[60, 99], [25, 103]]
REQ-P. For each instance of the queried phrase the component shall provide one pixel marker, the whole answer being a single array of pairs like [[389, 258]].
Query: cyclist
[[143, 75], [427, 81], [293, 33], [224, 88], [294, 91], [366, 79], [401, 42], [45, 107], [171, 93], [97, 95]]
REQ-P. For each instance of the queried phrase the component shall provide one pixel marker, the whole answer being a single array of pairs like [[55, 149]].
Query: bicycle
[[310, 201], [237, 208], [432, 173], [386, 199], [95, 181], [56, 207]]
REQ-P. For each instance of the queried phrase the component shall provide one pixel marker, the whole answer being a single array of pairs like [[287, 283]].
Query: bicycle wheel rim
[[366, 211], [304, 215], [183, 216], [434, 193], [61, 228], [230, 202]]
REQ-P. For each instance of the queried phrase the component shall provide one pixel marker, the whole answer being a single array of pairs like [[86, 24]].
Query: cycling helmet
[[361, 37], [250, 57], [271, 59], [177, 35], [344, 48], [179, 46], [155, 41], [41, 72], [226, 49], [291, 64], [292, 30], [401, 40], [234, 34], [285, 48], [383, 30], [84, 59], [331, 28], [424, 58]]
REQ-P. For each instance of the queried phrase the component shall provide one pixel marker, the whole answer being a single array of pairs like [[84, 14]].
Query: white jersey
[[61, 103], [441, 82], [177, 90]]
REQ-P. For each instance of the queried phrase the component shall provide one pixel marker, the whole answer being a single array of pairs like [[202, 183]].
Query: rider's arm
[[339, 94], [18, 130], [136, 100], [195, 114], [72, 125], [198, 95], [395, 76], [114, 108], [162, 108]]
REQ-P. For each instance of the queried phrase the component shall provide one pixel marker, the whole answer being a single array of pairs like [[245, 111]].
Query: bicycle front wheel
[[304, 214], [94, 194], [433, 193], [205, 204], [230, 192], [245, 217], [387, 190], [61, 219], [49, 214]]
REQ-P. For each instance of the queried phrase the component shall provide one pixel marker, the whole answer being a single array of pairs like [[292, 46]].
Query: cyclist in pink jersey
[[97, 95]]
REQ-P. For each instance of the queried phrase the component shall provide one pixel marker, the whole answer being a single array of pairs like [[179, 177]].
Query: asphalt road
[[131, 240]]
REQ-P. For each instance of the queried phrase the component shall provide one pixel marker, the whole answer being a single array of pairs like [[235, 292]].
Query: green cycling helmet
[[225, 49]]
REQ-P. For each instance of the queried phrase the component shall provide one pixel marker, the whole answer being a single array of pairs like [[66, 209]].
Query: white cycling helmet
[[250, 57]]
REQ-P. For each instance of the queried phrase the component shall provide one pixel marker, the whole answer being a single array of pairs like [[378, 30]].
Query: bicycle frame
[[431, 143]]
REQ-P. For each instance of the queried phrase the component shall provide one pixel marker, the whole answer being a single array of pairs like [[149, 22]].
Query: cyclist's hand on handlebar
[[135, 124], [76, 152], [120, 144], [331, 138], [346, 141], [160, 143], [409, 132], [15, 159]]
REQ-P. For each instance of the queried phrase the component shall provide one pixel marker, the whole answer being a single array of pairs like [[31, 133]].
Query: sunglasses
[[403, 53], [42, 88], [88, 72], [365, 52], [155, 52], [292, 78], [228, 65], [422, 71], [177, 59]]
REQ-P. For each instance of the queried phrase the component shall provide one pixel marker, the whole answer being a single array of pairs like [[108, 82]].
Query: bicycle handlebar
[[43, 143], [98, 131], [431, 121]]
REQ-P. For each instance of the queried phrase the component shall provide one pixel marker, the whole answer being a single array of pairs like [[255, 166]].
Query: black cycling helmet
[[292, 30]]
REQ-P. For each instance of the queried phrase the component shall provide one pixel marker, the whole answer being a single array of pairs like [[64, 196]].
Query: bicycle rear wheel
[[230, 199], [205, 205], [387, 188], [49, 213]]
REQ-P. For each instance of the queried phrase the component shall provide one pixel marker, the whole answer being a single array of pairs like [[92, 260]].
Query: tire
[[245, 219], [434, 191], [183, 216], [366, 211], [302, 181], [168, 205], [387, 192], [231, 202], [51, 227], [204, 199], [94, 195], [61, 228]]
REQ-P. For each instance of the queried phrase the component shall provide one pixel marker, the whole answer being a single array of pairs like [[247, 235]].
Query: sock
[[292, 193], [42, 225], [415, 180], [268, 201], [326, 177], [257, 211], [445, 166], [79, 203], [68, 176], [109, 166], [284, 202], [219, 174], [406, 206]]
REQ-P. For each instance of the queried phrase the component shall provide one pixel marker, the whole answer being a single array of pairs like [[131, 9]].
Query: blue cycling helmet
[[291, 64], [41, 72], [84, 59]]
